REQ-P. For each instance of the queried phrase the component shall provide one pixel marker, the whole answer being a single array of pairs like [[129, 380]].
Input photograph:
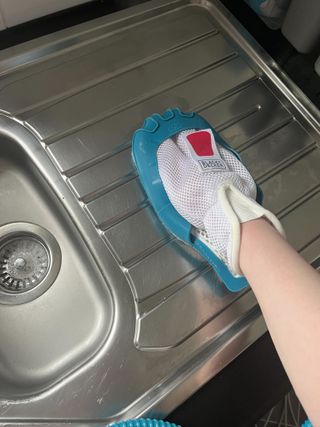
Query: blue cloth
[[147, 422], [143, 422]]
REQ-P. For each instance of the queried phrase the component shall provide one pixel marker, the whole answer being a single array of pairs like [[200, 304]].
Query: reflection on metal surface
[[73, 107]]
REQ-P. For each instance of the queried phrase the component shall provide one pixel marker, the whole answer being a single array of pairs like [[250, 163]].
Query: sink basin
[[53, 331]]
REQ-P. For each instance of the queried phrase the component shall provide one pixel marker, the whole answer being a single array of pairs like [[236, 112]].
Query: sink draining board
[[82, 92]]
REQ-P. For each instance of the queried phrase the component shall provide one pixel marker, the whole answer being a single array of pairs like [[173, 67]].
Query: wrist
[[253, 234], [240, 209]]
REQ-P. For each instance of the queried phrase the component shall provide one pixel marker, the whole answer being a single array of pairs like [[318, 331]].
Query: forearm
[[288, 291]]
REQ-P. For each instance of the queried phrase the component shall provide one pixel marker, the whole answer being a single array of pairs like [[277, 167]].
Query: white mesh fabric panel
[[194, 193]]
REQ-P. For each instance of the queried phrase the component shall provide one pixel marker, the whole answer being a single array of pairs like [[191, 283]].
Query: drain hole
[[24, 263], [30, 260]]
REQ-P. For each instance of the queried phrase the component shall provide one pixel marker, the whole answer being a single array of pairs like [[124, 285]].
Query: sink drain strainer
[[24, 263], [29, 262]]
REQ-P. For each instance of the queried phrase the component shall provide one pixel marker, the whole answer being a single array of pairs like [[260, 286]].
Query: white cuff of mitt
[[238, 209]]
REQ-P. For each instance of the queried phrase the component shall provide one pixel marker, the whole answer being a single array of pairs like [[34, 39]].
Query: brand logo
[[212, 165]]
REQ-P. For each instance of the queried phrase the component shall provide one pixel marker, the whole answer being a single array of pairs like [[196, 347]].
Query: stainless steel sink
[[51, 328], [103, 314]]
